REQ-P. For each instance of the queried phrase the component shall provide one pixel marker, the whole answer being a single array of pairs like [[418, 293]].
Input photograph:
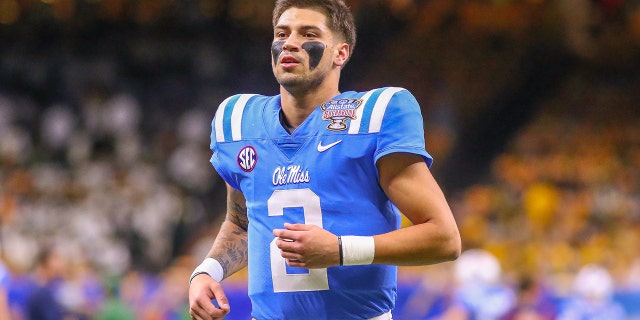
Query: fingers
[[291, 255], [296, 263], [201, 293], [294, 259], [290, 249], [291, 230], [209, 314], [306, 246], [221, 299], [298, 226], [205, 310], [284, 234]]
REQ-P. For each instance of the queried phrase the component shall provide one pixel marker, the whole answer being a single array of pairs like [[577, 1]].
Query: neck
[[298, 105]]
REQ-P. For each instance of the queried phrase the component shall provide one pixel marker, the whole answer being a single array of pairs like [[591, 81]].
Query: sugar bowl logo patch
[[247, 158], [339, 111]]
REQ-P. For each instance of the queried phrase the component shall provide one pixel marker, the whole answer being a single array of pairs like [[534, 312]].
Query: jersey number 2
[[316, 279]]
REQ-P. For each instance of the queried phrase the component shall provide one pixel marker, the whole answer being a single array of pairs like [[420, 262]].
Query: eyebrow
[[304, 27]]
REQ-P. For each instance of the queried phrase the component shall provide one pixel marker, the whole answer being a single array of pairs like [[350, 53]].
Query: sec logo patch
[[247, 158]]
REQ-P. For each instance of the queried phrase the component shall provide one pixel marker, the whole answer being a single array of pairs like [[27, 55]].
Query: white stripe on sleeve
[[218, 125], [380, 107], [354, 125], [236, 116]]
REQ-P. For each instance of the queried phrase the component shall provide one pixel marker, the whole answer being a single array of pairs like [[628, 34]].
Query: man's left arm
[[434, 235]]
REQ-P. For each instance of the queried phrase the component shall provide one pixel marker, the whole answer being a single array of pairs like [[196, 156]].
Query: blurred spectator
[[534, 301], [593, 299], [480, 291], [45, 302], [433, 293], [114, 308], [58, 123]]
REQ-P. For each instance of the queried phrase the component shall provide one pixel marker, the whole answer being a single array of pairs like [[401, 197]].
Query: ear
[[341, 54]]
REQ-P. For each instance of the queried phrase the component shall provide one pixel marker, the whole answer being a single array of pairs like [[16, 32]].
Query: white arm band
[[357, 250], [211, 267]]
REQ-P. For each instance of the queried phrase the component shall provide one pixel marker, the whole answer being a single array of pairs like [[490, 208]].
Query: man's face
[[302, 48]]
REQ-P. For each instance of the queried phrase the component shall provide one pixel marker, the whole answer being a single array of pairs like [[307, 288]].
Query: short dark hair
[[339, 17]]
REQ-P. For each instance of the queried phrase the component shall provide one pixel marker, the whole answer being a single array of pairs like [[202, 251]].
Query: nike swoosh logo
[[322, 148]]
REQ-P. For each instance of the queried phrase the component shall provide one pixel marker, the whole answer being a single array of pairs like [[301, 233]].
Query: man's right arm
[[230, 245], [229, 249]]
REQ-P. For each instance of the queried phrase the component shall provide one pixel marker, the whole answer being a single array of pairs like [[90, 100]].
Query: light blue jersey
[[324, 173]]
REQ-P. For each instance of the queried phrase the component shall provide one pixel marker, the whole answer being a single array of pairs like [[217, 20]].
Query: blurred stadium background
[[531, 108]]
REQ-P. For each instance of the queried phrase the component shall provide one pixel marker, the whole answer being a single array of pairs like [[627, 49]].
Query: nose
[[292, 43], [289, 47]]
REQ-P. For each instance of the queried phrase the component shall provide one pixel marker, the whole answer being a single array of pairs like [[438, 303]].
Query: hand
[[307, 246], [202, 289]]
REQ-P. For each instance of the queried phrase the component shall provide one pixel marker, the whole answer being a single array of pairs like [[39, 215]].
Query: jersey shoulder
[[381, 104], [236, 112]]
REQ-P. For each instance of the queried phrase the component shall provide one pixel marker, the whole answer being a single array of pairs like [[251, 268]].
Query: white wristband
[[211, 267], [357, 250]]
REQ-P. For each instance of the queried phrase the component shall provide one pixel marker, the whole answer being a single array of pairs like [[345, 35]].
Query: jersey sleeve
[[401, 126], [226, 128]]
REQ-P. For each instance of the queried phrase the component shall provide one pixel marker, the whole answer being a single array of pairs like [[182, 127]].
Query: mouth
[[288, 61]]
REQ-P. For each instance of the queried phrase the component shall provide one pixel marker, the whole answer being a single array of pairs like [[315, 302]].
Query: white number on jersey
[[316, 279]]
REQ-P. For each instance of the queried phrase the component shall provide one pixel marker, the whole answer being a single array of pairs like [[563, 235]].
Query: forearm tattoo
[[230, 246]]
